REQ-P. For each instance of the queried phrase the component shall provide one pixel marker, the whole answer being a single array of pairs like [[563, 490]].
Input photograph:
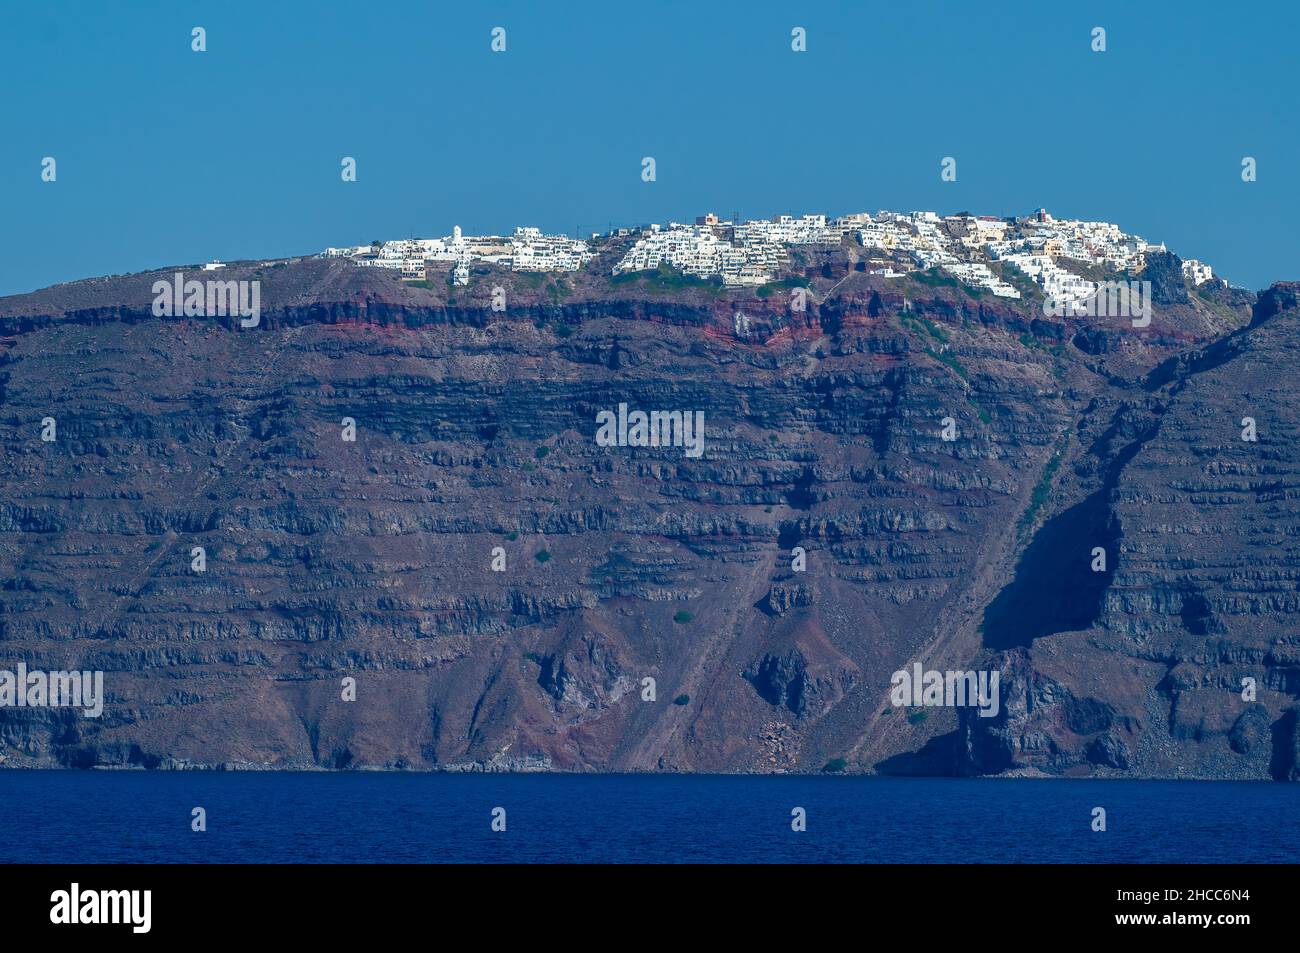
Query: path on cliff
[[701, 678], [956, 638]]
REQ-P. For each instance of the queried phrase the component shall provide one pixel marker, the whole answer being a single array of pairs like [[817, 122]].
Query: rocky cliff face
[[507, 593], [1188, 663]]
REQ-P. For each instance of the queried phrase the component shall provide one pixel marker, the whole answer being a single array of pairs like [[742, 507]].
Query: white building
[[1196, 272], [527, 250], [530, 250]]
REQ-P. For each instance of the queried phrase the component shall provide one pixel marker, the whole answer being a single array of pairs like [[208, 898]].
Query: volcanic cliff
[[500, 587]]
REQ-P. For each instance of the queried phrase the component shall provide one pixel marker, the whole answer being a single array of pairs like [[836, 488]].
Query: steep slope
[[1199, 603]]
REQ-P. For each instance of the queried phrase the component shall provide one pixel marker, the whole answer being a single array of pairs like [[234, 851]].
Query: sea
[[377, 817]]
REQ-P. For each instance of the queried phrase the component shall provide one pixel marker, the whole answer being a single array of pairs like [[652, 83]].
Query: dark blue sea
[[139, 817]]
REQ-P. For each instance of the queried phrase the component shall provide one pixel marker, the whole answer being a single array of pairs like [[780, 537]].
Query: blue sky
[[168, 156]]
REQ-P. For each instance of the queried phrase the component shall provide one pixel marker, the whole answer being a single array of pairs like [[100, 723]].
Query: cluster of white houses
[[969, 247], [1043, 248], [525, 250], [743, 253], [975, 249]]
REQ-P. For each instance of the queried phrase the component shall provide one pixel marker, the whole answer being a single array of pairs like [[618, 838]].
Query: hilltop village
[[526, 250], [977, 250]]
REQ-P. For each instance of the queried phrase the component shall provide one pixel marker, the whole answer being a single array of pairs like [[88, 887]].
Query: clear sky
[[168, 156]]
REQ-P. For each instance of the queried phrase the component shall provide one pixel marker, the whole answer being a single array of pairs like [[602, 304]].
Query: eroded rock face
[[374, 559], [783, 597], [1194, 630], [781, 681], [1043, 725], [588, 676]]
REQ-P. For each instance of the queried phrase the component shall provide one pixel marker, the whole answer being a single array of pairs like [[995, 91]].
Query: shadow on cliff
[[1285, 762], [937, 758], [1054, 588]]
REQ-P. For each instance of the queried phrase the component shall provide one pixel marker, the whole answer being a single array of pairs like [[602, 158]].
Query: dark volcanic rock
[[781, 681], [1165, 272], [1251, 730]]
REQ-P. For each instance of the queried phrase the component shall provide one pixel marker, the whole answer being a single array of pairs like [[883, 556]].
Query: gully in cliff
[[658, 428]]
